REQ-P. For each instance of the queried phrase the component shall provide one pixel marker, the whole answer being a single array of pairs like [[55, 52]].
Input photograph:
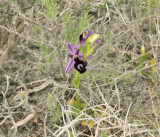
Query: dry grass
[[33, 103]]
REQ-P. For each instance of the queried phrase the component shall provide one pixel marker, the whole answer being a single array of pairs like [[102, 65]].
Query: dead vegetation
[[33, 102]]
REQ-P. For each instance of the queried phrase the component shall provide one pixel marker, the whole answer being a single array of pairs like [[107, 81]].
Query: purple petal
[[98, 41], [71, 56], [71, 48], [89, 33], [90, 56], [77, 45], [77, 52], [82, 41], [80, 56], [70, 65]]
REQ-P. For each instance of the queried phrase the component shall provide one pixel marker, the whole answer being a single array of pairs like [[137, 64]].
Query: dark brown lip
[[81, 37], [80, 65]]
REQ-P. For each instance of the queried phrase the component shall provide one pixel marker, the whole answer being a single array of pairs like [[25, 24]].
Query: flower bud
[[93, 38], [142, 50]]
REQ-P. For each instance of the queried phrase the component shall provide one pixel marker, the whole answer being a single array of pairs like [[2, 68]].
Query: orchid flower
[[72, 55], [83, 37]]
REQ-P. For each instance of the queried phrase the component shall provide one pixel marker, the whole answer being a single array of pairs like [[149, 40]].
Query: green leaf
[[47, 51], [91, 51], [128, 56], [90, 112], [76, 80], [129, 79], [109, 4], [43, 47], [50, 97], [21, 94], [75, 112], [77, 106], [50, 59], [89, 123], [77, 99], [85, 52], [104, 134], [88, 47], [42, 67], [151, 76], [82, 105], [50, 11], [71, 134], [142, 60], [37, 29]]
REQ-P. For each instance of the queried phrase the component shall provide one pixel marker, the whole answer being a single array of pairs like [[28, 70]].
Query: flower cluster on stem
[[78, 60]]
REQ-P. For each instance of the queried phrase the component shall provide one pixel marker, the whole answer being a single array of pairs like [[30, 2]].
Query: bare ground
[[132, 104]]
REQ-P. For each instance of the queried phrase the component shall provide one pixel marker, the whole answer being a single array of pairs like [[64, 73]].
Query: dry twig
[[24, 121], [11, 41]]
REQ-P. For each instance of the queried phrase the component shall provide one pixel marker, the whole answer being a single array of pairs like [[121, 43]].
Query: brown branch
[[12, 39], [24, 121], [39, 88]]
